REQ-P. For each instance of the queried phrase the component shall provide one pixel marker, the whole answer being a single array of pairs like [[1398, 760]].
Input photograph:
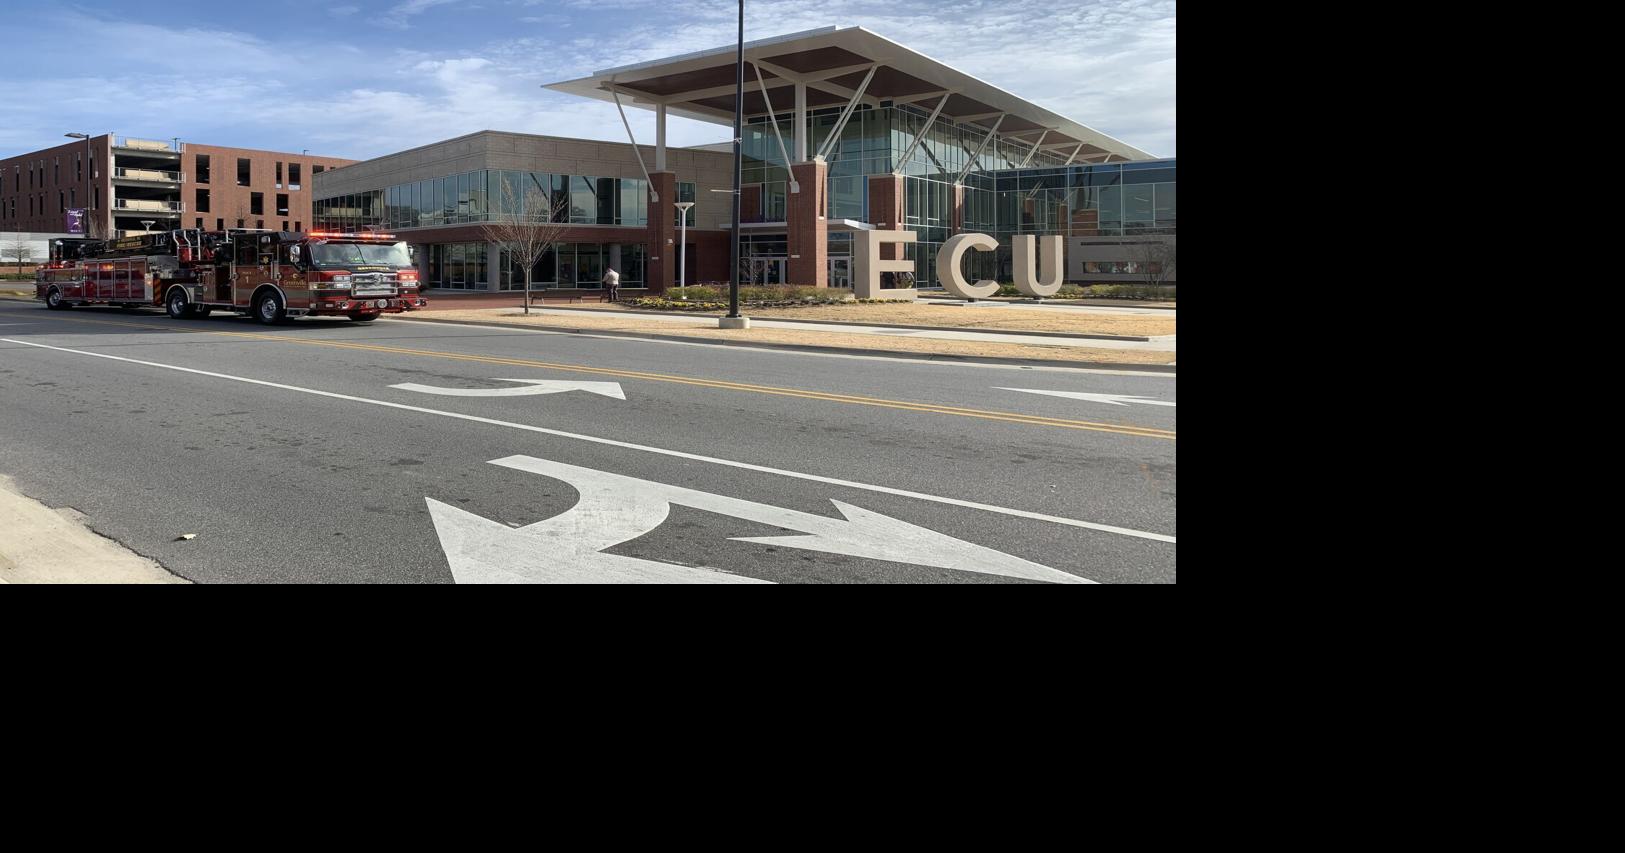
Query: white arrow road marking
[[614, 509], [531, 386], [624, 445], [1113, 399]]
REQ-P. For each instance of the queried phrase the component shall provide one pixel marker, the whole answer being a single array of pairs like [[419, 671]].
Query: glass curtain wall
[[473, 196], [1104, 200], [461, 266], [578, 266]]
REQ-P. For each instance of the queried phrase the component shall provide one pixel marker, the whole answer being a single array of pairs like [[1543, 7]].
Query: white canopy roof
[[832, 63]]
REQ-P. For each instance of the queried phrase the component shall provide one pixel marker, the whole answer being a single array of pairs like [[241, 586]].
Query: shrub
[[658, 304], [699, 292], [1130, 291]]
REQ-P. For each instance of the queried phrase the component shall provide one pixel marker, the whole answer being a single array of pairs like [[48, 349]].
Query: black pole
[[739, 108]]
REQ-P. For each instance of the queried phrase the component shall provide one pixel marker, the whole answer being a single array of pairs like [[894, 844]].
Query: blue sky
[[361, 79]]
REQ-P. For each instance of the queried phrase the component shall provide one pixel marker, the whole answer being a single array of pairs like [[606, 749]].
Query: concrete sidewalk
[[42, 545], [1161, 343]]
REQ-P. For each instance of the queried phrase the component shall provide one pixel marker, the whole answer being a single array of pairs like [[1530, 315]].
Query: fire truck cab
[[278, 274]]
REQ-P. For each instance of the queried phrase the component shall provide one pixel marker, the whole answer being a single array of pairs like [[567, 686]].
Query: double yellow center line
[[932, 408]]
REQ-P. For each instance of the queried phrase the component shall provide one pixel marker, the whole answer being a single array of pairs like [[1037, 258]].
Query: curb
[[1136, 338], [1062, 303], [906, 356]]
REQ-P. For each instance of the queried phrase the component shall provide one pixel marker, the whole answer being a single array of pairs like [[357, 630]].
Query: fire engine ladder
[[183, 238]]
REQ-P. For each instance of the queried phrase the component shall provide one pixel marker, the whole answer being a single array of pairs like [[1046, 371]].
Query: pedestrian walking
[[612, 284]]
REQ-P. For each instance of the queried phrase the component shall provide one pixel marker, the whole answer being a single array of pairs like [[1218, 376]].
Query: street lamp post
[[733, 320], [146, 225], [682, 249]]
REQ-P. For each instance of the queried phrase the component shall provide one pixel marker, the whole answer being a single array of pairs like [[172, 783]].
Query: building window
[[298, 226], [259, 223], [202, 201], [284, 225], [316, 170], [220, 224], [243, 173], [279, 174], [293, 176], [78, 166], [239, 223], [282, 206], [685, 192], [256, 203], [202, 168], [200, 223]]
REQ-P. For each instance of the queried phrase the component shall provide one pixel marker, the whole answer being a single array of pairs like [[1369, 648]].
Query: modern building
[[110, 186], [845, 130]]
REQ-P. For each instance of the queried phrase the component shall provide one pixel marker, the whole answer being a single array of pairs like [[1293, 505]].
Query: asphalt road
[[291, 456]]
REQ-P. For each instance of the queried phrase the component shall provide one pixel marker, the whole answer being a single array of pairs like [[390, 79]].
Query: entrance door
[[768, 270], [840, 272]]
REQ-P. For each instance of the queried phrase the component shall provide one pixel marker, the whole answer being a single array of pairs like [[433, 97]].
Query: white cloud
[[1108, 64]]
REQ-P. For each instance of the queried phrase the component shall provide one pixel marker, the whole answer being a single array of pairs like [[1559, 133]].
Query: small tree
[[526, 225], [1157, 261], [21, 251]]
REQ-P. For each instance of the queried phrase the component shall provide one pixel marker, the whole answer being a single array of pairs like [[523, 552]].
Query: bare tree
[[526, 225], [21, 251], [1156, 261]]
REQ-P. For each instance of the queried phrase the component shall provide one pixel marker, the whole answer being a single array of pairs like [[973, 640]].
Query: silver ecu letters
[[1029, 263], [868, 265], [948, 266], [1027, 273]]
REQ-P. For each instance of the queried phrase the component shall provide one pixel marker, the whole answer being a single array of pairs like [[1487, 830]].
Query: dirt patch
[[629, 322]]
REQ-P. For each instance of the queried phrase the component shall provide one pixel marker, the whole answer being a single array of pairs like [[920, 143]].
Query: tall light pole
[[733, 320], [90, 170], [682, 249]]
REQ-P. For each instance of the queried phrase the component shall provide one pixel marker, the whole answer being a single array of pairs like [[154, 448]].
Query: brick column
[[806, 225], [886, 210], [661, 272]]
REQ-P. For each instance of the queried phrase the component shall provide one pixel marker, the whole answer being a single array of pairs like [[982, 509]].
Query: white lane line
[[834, 481], [921, 361], [1109, 399]]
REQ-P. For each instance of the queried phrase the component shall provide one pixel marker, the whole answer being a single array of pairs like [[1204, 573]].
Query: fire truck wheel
[[54, 300], [268, 308], [364, 318], [176, 305]]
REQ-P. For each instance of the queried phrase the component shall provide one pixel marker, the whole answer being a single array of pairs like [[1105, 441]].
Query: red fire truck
[[268, 275]]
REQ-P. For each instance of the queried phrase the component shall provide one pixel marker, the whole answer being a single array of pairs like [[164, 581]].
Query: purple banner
[[75, 220]]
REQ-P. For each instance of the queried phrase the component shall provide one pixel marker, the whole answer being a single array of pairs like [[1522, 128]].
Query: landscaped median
[[622, 320]]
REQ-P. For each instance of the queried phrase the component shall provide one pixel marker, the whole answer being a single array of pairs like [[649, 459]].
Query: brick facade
[[38, 188], [230, 201], [662, 234], [886, 209], [806, 229]]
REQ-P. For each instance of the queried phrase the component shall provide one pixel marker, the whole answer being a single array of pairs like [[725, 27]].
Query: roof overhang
[[832, 63]]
